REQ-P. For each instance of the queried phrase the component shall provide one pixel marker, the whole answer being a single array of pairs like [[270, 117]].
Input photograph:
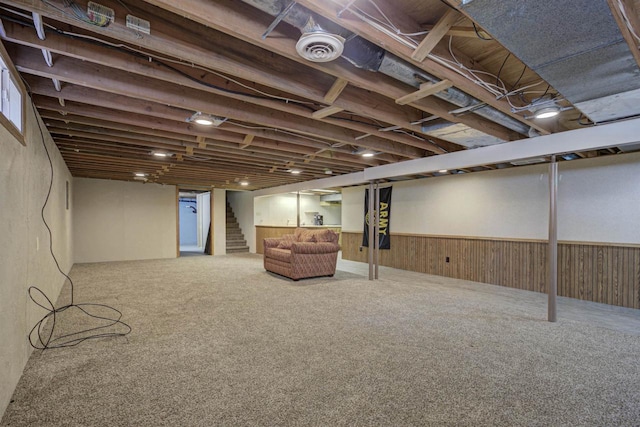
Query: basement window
[[11, 98]]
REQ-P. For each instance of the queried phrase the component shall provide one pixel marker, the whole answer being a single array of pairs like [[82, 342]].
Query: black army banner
[[385, 218]]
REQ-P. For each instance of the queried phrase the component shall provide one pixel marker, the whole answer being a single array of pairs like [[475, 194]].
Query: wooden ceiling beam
[[70, 70], [336, 89], [82, 140], [436, 34], [426, 89], [337, 160], [247, 141], [141, 109], [325, 112], [107, 163], [629, 25], [247, 23], [460, 31], [111, 162], [113, 129], [330, 8], [79, 49]]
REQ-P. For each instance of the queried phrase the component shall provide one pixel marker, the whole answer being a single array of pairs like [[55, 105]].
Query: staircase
[[235, 239]]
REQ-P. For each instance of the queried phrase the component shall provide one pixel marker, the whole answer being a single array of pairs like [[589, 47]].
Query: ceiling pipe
[[368, 56]]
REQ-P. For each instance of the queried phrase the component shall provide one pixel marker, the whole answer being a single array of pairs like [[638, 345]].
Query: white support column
[[371, 229], [376, 232], [552, 253], [298, 209]]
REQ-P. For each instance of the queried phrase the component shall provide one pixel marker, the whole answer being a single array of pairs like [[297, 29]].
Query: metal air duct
[[368, 56], [574, 45]]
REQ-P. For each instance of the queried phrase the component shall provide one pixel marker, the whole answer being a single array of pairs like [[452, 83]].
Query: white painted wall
[[219, 222], [118, 220], [25, 259], [204, 218], [188, 222], [280, 209], [598, 201], [242, 204]]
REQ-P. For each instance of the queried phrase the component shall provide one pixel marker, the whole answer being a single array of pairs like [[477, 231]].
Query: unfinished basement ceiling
[[410, 79]]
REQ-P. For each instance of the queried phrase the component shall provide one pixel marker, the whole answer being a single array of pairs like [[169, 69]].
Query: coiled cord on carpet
[[38, 337]]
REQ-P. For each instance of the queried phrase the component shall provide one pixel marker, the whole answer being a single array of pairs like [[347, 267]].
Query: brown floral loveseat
[[306, 253]]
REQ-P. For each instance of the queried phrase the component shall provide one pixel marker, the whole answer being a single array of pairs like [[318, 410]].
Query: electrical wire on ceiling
[[623, 11], [328, 144], [161, 61], [76, 12], [480, 36], [498, 89], [42, 335], [158, 58], [164, 61]]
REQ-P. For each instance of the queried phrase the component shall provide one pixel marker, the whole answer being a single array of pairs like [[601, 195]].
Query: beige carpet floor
[[217, 341]]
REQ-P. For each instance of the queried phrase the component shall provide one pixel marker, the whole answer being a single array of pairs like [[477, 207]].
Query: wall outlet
[[446, 259]]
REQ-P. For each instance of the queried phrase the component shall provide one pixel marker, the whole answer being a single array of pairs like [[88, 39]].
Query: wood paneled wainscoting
[[600, 272]]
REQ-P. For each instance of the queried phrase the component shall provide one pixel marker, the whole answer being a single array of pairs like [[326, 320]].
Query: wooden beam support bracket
[[466, 32], [325, 112], [248, 139], [335, 90], [435, 35], [426, 89]]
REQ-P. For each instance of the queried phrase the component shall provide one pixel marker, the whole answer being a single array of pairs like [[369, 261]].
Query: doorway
[[194, 219]]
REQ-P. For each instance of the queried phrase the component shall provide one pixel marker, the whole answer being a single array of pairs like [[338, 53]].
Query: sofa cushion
[[326, 236], [304, 235], [285, 244]]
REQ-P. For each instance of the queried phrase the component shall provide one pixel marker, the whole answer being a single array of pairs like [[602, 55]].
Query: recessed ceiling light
[[206, 119], [160, 154], [547, 112], [140, 174], [295, 171], [244, 183], [364, 152], [203, 121], [443, 171]]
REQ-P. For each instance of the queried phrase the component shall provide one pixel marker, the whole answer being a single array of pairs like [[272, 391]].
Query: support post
[[377, 231], [552, 253], [298, 209], [371, 230]]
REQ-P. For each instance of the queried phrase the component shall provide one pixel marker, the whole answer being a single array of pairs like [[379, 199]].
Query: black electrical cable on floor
[[46, 340]]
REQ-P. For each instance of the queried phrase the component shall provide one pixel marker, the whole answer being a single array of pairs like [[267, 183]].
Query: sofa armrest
[[314, 248], [271, 242]]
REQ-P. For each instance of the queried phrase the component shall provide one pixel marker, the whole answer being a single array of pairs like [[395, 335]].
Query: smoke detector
[[320, 46]]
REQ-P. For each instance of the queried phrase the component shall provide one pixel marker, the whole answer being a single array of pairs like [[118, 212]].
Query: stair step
[[239, 249], [236, 242]]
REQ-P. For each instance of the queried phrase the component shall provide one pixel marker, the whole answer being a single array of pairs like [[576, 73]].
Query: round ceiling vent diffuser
[[320, 47]]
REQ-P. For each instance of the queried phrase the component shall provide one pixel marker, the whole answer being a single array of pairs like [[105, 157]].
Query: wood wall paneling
[[604, 273]]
